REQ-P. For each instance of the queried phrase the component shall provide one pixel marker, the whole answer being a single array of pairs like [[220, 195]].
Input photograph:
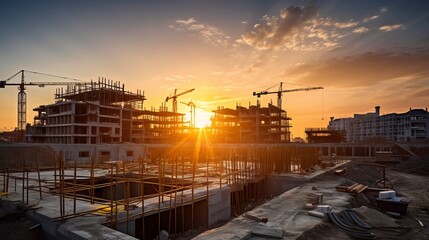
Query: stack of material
[[315, 198], [356, 188], [389, 202]]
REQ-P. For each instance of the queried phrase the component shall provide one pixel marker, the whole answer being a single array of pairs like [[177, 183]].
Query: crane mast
[[174, 97], [281, 91], [22, 95], [192, 112]]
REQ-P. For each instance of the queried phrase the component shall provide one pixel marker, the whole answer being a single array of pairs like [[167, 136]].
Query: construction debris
[[316, 214], [315, 198], [340, 172], [309, 206], [324, 208], [267, 232], [256, 217]]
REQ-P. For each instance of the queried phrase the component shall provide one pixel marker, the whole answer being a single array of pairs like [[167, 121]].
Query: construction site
[[96, 164]]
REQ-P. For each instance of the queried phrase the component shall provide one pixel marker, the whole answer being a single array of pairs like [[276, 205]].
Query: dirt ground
[[410, 179]]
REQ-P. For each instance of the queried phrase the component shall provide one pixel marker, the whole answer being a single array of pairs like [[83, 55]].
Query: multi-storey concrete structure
[[255, 124], [411, 126], [103, 112]]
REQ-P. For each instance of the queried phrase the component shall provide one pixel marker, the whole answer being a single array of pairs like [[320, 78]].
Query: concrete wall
[[81, 153], [219, 204]]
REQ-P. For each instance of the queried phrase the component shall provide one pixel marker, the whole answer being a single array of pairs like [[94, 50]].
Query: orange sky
[[364, 53]]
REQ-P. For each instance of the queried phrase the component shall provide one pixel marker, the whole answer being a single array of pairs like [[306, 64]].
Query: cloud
[[209, 33], [380, 11], [370, 18], [348, 24], [299, 29], [360, 30], [174, 81], [421, 94], [277, 31], [389, 28], [362, 70]]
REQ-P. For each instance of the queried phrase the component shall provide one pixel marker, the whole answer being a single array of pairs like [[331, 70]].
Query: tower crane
[[174, 97], [281, 91], [22, 96], [193, 106]]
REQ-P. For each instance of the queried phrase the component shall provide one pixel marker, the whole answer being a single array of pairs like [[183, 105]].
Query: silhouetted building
[[255, 124], [324, 135]]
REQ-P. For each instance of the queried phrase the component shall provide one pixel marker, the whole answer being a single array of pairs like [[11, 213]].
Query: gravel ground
[[14, 224], [409, 179]]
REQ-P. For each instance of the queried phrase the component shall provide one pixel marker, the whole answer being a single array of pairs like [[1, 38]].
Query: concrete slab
[[286, 212]]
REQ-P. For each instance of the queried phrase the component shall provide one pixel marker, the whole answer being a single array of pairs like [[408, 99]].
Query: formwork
[[176, 188]]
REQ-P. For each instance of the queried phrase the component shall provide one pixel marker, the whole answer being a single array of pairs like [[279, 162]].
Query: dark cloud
[[273, 30], [363, 70]]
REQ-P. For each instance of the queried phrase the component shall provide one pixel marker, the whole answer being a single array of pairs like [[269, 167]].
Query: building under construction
[[97, 163], [103, 112], [255, 124]]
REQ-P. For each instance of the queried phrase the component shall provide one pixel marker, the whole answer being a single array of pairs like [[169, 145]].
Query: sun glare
[[202, 118]]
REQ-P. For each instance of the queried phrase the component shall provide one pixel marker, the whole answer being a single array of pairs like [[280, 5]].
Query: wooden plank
[[268, 232], [351, 187], [357, 188], [341, 188], [363, 189], [255, 217], [368, 190]]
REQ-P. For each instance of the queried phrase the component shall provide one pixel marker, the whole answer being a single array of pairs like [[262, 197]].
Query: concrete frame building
[[411, 126], [255, 124], [103, 112]]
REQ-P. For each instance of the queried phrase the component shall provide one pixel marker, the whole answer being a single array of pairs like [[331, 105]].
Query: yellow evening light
[[202, 118]]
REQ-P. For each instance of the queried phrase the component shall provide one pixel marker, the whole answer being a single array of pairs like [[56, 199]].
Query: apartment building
[[411, 126], [255, 124]]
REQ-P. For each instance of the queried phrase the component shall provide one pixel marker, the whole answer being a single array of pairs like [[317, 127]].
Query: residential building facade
[[411, 126]]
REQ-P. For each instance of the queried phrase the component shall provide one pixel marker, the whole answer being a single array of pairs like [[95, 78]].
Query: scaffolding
[[255, 124], [167, 189]]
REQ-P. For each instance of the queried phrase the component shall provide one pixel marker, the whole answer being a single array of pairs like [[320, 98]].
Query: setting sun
[[202, 118]]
